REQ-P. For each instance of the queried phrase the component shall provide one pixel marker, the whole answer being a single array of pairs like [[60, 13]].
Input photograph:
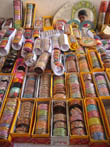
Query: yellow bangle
[[28, 44], [94, 121]]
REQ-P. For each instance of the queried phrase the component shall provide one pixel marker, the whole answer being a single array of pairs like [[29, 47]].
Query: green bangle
[[59, 132]]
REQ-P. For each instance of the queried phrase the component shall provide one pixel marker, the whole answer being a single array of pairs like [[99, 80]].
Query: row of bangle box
[[47, 85], [72, 85], [72, 62], [66, 127]]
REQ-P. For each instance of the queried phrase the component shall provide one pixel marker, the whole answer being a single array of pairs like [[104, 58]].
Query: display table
[[34, 145]]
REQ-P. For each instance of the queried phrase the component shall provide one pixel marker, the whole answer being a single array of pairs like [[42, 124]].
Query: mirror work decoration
[[84, 8]]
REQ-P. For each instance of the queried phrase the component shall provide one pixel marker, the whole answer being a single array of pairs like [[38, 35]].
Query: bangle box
[[88, 85], [105, 106], [17, 13], [80, 50], [75, 31], [59, 87], [20, 66], [6, 120], [77, 122], [42, 126], [22, 124], [108, 74], [45, 85], [47, 23], [74, 85], [16, 86], [95, 61], [102, 84], [30, 13], [5, 82], [83, 63], [59, 123], [95, 123], [30, 86], [71, 63], [9, 62], [73, 42]]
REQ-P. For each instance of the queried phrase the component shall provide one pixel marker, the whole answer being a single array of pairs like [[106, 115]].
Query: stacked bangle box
[[53, 89]]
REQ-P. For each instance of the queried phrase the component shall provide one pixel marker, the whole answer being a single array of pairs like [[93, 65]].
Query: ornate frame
[[84, 4]]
